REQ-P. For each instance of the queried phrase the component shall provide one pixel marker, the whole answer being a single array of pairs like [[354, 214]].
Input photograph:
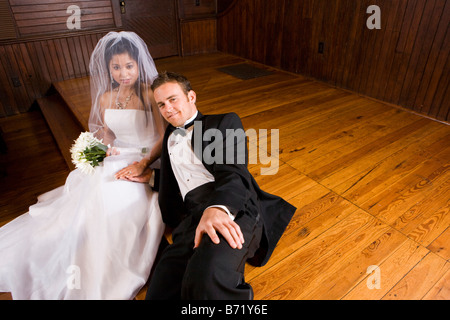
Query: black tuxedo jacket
[[234, 187]]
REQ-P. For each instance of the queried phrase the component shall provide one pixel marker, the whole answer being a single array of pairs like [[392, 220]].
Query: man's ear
[[192, 96]]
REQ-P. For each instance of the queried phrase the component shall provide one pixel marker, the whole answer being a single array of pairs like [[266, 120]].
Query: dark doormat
[[245, 71]]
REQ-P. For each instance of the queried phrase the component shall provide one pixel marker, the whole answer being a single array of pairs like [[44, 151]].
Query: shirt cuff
[[151, 182], [224, 208]]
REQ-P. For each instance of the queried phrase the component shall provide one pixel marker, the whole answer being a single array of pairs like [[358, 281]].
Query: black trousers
[[211, 271]]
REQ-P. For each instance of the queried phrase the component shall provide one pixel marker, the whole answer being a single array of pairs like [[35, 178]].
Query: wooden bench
[[63, 125]]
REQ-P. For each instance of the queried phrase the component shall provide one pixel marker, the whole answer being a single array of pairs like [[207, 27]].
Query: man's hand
[[142, 178], [215, 219], [134, 170]]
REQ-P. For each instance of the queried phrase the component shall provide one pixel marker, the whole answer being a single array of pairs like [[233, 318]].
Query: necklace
[[123, 106]]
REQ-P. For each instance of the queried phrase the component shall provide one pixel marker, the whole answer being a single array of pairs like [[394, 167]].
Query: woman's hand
[[112, 152], [132, 171]]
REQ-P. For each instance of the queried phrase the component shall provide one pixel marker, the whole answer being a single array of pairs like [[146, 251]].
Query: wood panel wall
[[198, 26], [8, 29], [27, 69], [44, 50], [406, 62], [50, 16], [192, 9], [155, 22], [198, 36]]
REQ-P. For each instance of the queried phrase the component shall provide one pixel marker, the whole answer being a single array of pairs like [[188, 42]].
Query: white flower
[[87, 152]]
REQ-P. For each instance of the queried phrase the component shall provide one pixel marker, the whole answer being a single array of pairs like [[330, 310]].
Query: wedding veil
[[101, 81]]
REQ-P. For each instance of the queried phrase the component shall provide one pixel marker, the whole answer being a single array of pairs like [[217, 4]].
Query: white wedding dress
[[93, 238]]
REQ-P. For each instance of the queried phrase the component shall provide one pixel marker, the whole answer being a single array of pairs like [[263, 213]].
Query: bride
[[97, 236]]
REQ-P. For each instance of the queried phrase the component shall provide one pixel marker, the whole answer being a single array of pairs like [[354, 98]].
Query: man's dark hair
[[167, 76]]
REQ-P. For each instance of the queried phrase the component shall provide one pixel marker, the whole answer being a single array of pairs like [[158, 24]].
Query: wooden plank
[[441, 290], [392, 270], [318, 211], [439, 108], [420, 280], [441, 245], [63, 125], [304, 256], [318, 147], [40, 63], [27, 69], [73, 92], [360, 188], [389, 54], [385, 37], [9, 104], [354, 269], [433, 66], [288, 181], [430, 217], [419, 56], [13, 72], [367, 162], [5, 296], [56, 6], [321, 169], [56, 11], [414, 187], [50, 17], [34, 70], [312, 274]]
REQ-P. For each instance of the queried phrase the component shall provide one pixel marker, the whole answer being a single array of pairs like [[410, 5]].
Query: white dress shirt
[[187, 168]]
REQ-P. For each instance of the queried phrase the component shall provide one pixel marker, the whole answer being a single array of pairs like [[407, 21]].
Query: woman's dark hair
[[121, 46], [118, 47]]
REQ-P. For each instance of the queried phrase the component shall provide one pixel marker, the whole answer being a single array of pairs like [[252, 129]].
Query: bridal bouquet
[[87, 152]]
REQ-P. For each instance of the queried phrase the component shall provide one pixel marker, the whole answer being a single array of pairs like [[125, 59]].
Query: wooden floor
[[371, 183]]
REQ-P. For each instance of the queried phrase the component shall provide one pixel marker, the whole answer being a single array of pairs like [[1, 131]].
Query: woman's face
[[124, 69]]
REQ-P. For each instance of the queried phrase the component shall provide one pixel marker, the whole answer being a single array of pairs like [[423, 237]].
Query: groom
[[221, 218]]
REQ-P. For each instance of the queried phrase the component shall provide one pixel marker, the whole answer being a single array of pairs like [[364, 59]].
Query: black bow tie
[[189, 124], [182, 130]]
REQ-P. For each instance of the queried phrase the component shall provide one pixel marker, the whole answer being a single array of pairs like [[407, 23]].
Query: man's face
[[175, 106]]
